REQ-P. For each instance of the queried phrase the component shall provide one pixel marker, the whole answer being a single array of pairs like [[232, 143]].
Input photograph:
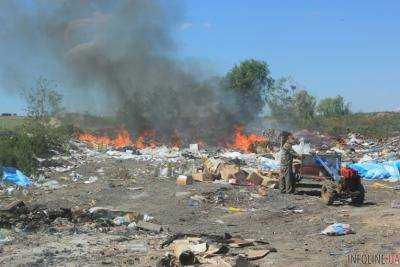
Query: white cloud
[[185, 26]]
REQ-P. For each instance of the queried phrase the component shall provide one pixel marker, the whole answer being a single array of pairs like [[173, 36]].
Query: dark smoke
[[118, 55]]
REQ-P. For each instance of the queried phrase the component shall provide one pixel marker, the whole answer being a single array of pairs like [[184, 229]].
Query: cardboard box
[[184, 180], [228, 171], [202, 177]]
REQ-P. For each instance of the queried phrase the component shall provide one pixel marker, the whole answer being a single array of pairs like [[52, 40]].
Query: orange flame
[[123, 139], [176, 140], [145, 139], [244, 142]]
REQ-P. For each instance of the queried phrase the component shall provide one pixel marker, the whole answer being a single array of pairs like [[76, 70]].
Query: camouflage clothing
[[287, 179]]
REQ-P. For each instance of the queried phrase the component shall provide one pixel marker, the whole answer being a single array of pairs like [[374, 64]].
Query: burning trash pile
[[248, 160]]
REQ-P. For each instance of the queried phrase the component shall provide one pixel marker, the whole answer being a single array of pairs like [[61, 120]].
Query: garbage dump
[[175, 206]]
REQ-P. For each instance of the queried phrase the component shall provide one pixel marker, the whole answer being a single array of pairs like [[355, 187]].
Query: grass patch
[[11, 123]]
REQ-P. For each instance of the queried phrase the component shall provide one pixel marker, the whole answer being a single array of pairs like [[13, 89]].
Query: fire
[[149, 138], [244, 142], [176, 140], [123, 139], [146, 139]]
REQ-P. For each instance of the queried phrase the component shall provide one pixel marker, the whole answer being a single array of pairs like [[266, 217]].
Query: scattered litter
[[147, 217], [184, 180], [52, 185], [396, 204], [182, 194], [253, 255], [92, 179], [378, 185], [135, 188], [189, 249], [194, 148], [220, 197], [235, 210], [118, 221], [298, 211], [164, 172], [5, 237], [262, 191], [137, 247], [132, 226], [108, 214], [193, 204], [198, 198], [63, 169], [338, 229], [151, 227], [10, 190], [75, 176]]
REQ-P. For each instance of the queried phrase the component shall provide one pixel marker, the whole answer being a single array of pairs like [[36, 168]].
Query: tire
[[358, 200], [327, 195]]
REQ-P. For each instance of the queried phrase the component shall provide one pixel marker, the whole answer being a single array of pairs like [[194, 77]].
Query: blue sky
[[346, 47]]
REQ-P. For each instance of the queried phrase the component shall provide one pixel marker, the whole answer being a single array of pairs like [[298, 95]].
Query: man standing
[[287, 178]]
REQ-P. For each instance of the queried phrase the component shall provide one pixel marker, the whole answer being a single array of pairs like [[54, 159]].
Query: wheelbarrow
[[338, 183]]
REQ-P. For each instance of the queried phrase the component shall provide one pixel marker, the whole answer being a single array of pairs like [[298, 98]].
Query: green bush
[[374, 125], [31, 141]]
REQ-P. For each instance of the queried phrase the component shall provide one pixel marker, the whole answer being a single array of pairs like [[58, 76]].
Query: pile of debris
[[232, 171], [36, 217], [216, 250]]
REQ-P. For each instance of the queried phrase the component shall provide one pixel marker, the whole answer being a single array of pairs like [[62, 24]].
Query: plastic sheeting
[[269, 164], [14, 176], [378, 171], [302, 148]]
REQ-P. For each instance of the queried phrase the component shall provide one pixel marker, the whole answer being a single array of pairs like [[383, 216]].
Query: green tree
[[289, 104], [333, 106], [43, 100], [281, 98], [304, 107], [250, 81]]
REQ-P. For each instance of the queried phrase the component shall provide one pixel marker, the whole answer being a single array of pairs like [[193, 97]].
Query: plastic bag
[[338, 229], [15, 176]]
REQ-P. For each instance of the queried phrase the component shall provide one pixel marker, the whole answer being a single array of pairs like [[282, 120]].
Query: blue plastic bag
[[338, 229], [381, 171], [15, 176]]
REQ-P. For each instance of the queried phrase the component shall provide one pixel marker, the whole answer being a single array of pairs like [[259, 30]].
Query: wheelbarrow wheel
[[358, 198], [327, 194]]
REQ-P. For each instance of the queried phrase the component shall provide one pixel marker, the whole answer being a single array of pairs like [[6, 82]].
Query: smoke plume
[[117, 56]]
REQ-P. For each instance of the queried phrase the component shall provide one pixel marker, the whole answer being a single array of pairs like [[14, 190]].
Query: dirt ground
[[290, 223]]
